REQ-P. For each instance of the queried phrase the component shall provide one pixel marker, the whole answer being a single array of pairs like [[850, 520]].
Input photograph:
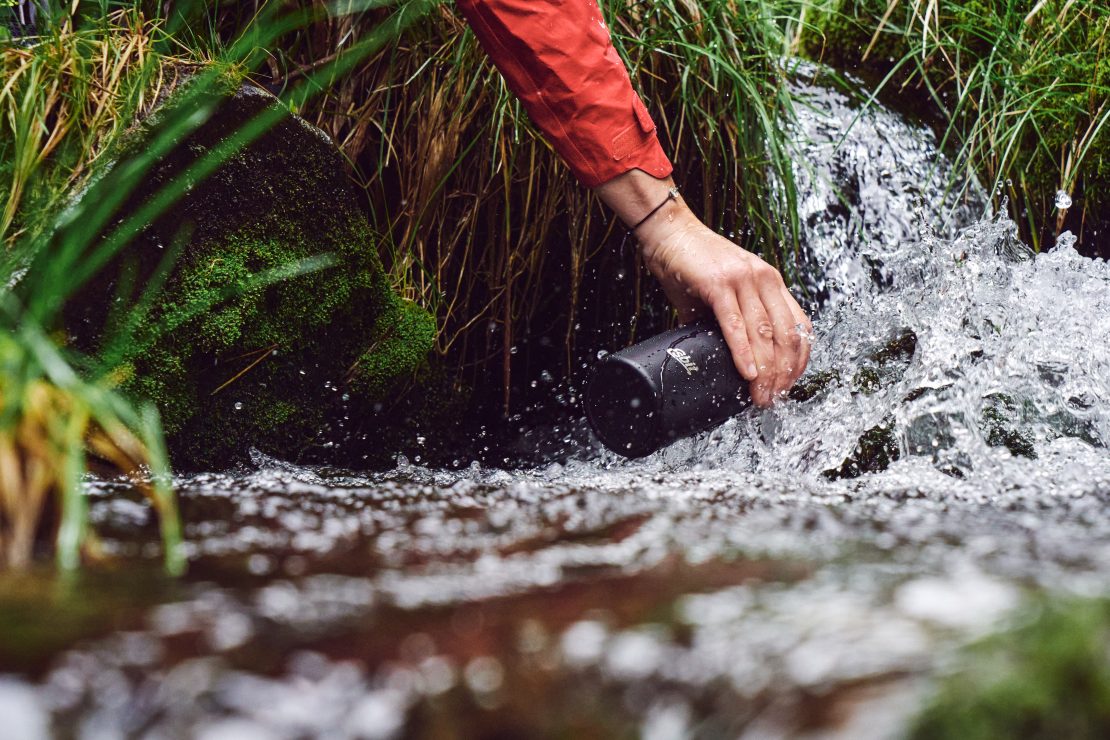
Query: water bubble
[[484, 674], [238, 405], [1063, 200]]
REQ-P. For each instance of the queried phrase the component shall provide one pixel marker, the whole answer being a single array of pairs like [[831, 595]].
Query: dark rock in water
[[882, 367], [1001, 420], [874, 452], [283, 367], [999, 428]]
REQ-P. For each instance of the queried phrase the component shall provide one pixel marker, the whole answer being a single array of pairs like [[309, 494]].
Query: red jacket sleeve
[[557, 57]]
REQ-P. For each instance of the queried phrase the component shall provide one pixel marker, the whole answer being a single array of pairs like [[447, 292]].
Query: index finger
[[735, 330]]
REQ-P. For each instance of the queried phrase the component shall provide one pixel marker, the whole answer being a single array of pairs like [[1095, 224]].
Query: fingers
[[761, 335], [760, 321], [735, 330], [804, 327], [779, 325]]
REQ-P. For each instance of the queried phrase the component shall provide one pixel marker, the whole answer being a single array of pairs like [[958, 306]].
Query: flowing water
[[748, 582]]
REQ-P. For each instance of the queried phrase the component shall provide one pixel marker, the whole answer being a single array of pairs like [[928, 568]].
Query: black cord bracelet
[[672, 194]]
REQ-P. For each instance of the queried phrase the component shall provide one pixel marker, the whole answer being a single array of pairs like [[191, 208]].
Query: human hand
[[701, 271]]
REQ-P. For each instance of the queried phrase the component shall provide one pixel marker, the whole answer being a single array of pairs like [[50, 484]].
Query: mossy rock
[[282, 366], [880, 367]]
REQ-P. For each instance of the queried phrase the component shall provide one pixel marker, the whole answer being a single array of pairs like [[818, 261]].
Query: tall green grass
[[1020, 92]]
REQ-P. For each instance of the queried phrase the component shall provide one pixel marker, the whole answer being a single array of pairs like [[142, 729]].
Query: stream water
[[725, 586]]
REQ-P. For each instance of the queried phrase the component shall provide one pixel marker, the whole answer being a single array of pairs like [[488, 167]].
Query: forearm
[[558, 59]]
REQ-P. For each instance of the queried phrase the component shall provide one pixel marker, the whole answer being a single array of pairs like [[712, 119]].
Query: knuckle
[[764, 329], [764, 272], [734, 324], [740, 345], [740, 272]]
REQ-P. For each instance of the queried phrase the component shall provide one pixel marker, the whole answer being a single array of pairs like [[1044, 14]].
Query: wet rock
[[876, 450], [286, 366], [881, 368], [1000, 419], [998, 426]]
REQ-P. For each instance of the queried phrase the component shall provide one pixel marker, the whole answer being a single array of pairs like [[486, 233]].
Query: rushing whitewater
[[733, 584]]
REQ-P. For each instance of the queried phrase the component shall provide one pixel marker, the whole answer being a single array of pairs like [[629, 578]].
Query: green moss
[[1048, 678], [164, 379], [402, 339], [260, 316], [275, 414]]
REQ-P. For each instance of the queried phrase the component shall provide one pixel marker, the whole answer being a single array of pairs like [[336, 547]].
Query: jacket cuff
[[634, 147]]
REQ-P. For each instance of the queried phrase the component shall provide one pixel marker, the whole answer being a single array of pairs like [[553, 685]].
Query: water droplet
[[238, 405], [1063, 200]]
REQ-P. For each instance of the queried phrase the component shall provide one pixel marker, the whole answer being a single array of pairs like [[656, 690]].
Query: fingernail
[[751, 371]]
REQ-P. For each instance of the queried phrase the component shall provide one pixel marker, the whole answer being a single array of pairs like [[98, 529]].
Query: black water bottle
[[672, 385]]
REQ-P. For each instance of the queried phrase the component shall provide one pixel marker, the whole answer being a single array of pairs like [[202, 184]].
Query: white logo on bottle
[[688, 364]]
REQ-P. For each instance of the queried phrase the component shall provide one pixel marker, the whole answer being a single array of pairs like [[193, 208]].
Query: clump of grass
[[65, 95], [1022, 91], [1045, 678], [55, 427]]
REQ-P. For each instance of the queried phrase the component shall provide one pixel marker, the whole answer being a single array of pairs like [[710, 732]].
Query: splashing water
[[745, 582]]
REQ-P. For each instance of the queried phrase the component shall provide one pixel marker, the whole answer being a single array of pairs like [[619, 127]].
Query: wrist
[[673, 218], [636, 195]]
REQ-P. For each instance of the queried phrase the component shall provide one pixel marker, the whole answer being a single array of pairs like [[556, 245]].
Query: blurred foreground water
[[739, 584]]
